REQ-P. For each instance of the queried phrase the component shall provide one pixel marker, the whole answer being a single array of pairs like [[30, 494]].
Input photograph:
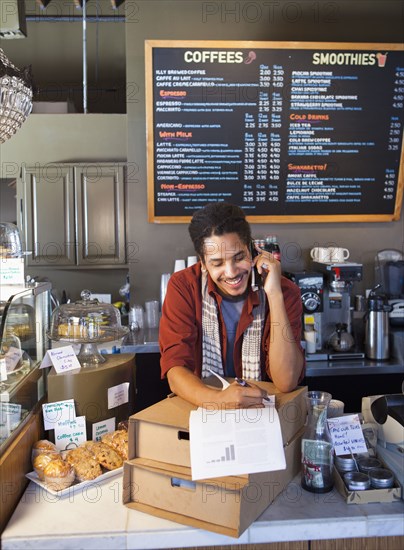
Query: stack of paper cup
[[191, 260], [163, 286], [178, 265], [310, 337]]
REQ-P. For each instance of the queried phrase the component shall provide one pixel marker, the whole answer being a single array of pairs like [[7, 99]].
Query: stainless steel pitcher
[[377, 326]]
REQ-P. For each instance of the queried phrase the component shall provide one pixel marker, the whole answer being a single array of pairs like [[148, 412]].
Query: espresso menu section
[[288, 131]]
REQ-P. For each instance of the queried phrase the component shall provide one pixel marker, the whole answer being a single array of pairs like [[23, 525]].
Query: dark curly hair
[[218, 219]]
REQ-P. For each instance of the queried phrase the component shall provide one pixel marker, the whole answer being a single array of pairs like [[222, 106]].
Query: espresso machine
[[335, 338]]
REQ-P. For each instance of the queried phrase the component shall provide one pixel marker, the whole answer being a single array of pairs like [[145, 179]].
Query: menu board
[[290, 131]]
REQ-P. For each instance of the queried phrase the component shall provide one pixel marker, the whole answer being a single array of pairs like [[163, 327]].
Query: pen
[[245, 384]]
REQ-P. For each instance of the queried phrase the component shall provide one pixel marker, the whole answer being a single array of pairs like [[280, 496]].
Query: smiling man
[[215, 319]]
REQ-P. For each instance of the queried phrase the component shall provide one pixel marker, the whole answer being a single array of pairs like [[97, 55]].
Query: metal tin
[[345, 463], [366, 464], [381, 478], [357, 481]]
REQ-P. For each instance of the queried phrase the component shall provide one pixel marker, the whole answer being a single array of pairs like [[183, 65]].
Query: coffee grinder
[[311, 285], [336, 316]]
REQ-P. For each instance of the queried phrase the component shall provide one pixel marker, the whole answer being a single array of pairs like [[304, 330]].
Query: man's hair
[[217, 219]]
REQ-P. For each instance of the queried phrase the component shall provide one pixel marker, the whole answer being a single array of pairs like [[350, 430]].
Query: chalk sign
[[290, 131]]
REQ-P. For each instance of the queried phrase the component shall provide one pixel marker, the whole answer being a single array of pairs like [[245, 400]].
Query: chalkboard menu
[[291, 132]]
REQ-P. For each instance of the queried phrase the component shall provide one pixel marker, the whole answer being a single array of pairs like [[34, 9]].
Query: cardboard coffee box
[[161, 432], [226, 505], [157, 476]]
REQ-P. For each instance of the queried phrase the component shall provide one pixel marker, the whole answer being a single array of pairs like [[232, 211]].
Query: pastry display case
[[87, 322], [24, 318]]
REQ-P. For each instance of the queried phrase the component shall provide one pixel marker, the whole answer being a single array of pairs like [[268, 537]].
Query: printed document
[[227, 442]]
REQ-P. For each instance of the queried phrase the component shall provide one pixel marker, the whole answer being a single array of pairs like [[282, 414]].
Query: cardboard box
[[157, 476], [161, 432], [370, 495], [226, 505]]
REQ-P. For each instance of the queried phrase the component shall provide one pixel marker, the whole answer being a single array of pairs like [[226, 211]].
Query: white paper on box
[[70, 434], [346, 434], [227, 442], [58, 411], [118, 395]]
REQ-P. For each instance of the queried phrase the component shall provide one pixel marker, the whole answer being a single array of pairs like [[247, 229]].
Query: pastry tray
[[76, 485]]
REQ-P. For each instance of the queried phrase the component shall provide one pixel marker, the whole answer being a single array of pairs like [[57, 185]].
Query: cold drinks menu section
[[303, 133]]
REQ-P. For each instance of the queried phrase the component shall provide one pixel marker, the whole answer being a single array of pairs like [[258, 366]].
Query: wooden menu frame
[[168, 47]]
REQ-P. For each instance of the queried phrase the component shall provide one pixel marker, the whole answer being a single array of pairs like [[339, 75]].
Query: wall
[[339, 21], [47, 139]]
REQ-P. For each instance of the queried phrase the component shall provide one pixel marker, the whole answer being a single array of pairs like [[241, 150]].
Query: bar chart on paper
[[235, 442], [229, 454]]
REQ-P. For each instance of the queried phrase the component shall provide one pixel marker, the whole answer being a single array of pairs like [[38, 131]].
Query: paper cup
[[335, 408]]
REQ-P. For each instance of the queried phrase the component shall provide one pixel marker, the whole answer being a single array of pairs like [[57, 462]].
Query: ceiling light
[[15, 97]]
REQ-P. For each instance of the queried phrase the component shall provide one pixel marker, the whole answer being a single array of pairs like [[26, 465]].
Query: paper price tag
[[346, 434], [12, 358], [70, 434], [3, 370], [58, 411], [118, 395], [63, 359], [102, 428]]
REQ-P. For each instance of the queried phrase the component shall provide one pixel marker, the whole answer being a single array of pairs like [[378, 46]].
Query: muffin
[[105, 455], [59, 475], [42, 460], [118, 440], [43, 446], [86, 467]]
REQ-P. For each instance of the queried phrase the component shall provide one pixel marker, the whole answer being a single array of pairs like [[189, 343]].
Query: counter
[[96, 518], [146, 341]]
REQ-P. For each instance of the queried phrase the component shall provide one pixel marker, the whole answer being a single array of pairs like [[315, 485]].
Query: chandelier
[[15, 97]]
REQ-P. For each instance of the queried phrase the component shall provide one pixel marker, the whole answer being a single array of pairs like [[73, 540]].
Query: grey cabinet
[[74, 214]]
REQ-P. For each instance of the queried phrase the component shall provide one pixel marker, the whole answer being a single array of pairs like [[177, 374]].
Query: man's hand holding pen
[[241, 394]]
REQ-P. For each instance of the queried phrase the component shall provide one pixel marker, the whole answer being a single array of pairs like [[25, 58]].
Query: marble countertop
[[94, 517]]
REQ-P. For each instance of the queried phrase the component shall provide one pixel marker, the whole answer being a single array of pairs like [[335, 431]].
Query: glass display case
[[24, 320]]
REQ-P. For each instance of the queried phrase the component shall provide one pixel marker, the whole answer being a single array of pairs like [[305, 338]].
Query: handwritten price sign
[[346, 434]]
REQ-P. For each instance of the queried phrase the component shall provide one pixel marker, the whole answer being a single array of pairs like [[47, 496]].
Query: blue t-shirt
[[231, 311]]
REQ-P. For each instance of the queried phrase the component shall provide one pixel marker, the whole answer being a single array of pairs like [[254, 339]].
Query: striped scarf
[[211, 345]]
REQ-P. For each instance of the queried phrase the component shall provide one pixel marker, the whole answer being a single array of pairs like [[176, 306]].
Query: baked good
[[104, 454], [85, 465], [42, 460], [72, 331], [58, 475], [43, 446], [118, 440]]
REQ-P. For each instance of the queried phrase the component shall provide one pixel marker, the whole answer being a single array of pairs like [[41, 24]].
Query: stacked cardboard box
[[157, 476]]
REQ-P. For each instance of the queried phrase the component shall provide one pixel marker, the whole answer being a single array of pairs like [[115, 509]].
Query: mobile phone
[[256, 279]]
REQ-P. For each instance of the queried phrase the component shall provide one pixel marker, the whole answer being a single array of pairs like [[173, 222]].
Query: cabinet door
[[49, 215], [100, 203]]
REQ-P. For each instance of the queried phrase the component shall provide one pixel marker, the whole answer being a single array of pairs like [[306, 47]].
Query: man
[[214, 319]]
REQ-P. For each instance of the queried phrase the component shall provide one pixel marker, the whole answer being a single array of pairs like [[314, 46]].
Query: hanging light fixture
[[15, 97]]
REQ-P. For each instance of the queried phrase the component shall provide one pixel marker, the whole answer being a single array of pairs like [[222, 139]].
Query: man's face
[[228, 262]]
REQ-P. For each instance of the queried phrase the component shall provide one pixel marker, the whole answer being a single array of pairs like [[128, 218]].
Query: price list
[[304, 133]]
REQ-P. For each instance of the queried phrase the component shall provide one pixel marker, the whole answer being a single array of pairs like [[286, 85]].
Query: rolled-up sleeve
[[178, 334]]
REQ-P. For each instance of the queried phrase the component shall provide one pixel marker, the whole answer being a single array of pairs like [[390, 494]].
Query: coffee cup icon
[[250, 58]]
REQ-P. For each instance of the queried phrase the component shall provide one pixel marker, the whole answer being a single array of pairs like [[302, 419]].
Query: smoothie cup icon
[[381, 59]]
